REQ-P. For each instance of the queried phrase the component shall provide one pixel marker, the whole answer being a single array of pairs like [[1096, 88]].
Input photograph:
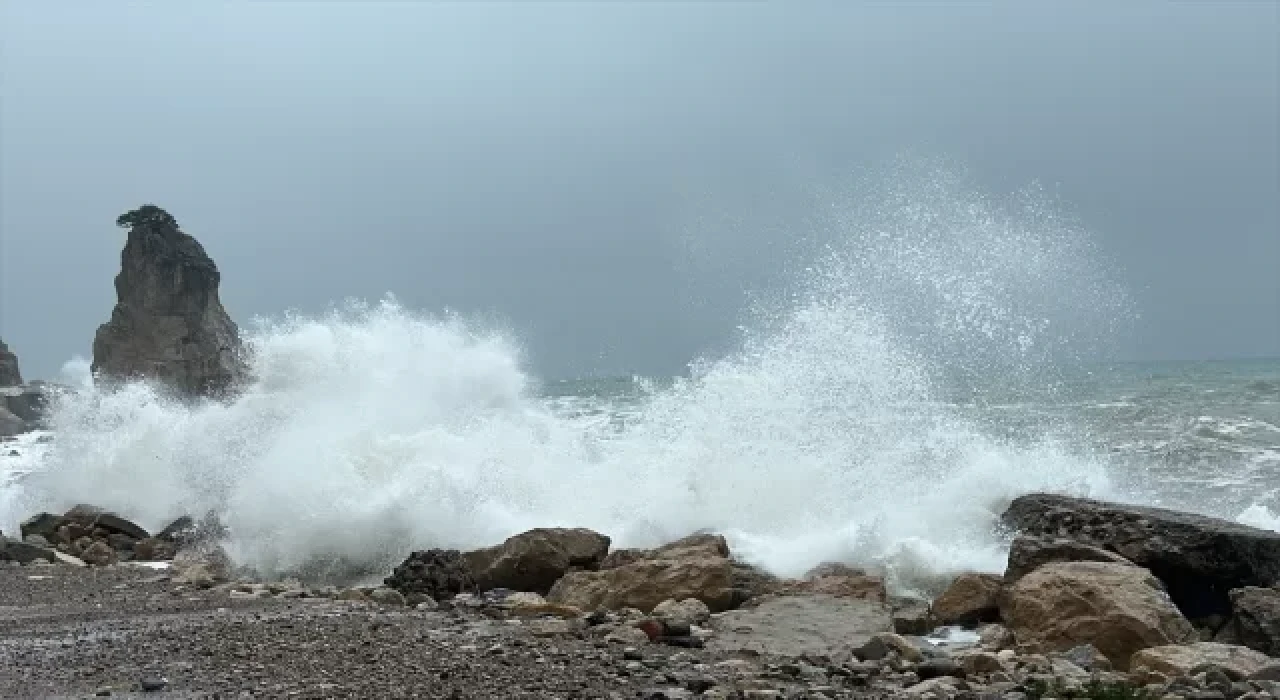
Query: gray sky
[[543, 162]]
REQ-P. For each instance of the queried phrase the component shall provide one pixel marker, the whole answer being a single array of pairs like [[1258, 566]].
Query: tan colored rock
[[694, 567], [1117, 608], [1174, 661], [970, 599], [534, 560], [646, 583], [794, 625], [838, 580], [689, 611]]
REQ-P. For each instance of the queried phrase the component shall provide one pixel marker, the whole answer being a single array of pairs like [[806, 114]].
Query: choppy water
[[930, 363]]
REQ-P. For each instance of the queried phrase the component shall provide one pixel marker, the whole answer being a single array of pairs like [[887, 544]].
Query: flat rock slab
[[801, 624], [1198, 558]]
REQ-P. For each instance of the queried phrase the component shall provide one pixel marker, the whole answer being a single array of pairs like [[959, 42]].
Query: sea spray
[[845, 426]]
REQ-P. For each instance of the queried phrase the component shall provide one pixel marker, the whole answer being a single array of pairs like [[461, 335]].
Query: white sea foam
[[1259, 516], [374, 430]]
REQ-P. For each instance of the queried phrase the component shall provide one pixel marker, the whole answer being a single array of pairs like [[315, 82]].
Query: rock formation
[[1199, 559], [168, 324], [9, 374]]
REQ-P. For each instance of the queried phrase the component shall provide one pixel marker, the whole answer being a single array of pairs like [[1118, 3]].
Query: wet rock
[[1255, 622], [1027, 553], [438, 573], [839, 580], [23, 552], [168, 323], [99, 554], [995, 637], [1179, 660], [153, 685], [1198, 558], [534, 560], [970, 599], [695, 567], [1117, 608], [212, 558], [795, 625], [911, 616], [939, 667]]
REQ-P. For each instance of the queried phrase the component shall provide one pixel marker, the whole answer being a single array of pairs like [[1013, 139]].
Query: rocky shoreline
[[1099, 600]]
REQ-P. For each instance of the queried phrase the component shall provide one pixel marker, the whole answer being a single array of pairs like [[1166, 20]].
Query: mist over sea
[[942, 353]]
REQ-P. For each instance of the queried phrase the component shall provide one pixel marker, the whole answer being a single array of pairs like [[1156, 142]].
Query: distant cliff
[[168, 323], [9, 374]]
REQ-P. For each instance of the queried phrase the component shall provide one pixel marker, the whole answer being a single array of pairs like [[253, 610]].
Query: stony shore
[[1098, 601]]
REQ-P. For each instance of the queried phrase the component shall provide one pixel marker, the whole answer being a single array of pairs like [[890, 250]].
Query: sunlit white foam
[[373, 430]]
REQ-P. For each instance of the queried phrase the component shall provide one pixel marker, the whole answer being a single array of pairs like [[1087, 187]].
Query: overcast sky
[[546, 163]]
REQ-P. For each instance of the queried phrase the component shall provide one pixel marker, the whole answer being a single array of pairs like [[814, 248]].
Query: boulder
[[970, 599], [23, 552], [694, 567], [689, 611], [168, 324], [1174, 661], [1198, 558], [1117, 608], [1256, 619], [534, 560], [9, 373], [795, 625], [1027, 553], [438, 573], [838, 580], [911, 615], [93, 517]]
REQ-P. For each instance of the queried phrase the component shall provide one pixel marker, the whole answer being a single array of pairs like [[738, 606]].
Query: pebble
[[152, 684]]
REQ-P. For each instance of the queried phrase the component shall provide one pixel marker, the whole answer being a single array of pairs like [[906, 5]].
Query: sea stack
[[168, 324], [9, 374]]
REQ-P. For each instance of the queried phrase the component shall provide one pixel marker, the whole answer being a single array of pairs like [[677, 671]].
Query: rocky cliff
[[168, 323], [9, 374]]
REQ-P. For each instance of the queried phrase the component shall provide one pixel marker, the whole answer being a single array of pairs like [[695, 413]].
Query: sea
[[933, 355]]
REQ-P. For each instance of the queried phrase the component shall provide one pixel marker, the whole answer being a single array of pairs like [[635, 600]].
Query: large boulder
[[1117, 608], [839, 580], [970, 599], [694, 567], [9, 373], [1199, 559], [1175, 661], [534, 560], [1027, 554], [795, 625], [439, 573], [168, 324], [1256, 619]]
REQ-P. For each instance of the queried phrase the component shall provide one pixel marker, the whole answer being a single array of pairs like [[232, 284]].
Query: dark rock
[[439, 573], [168, 323], [92, 517], [43, 524], [28, 402], [153, 685], [1027, 554], [938, 667], [1199, 559], [24, 553], [1256, 621], [534, 560], [154, 549], [9, 374], [911, 615]]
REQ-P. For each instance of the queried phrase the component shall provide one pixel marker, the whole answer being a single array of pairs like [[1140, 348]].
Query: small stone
[[152, 684], [632, 654]]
